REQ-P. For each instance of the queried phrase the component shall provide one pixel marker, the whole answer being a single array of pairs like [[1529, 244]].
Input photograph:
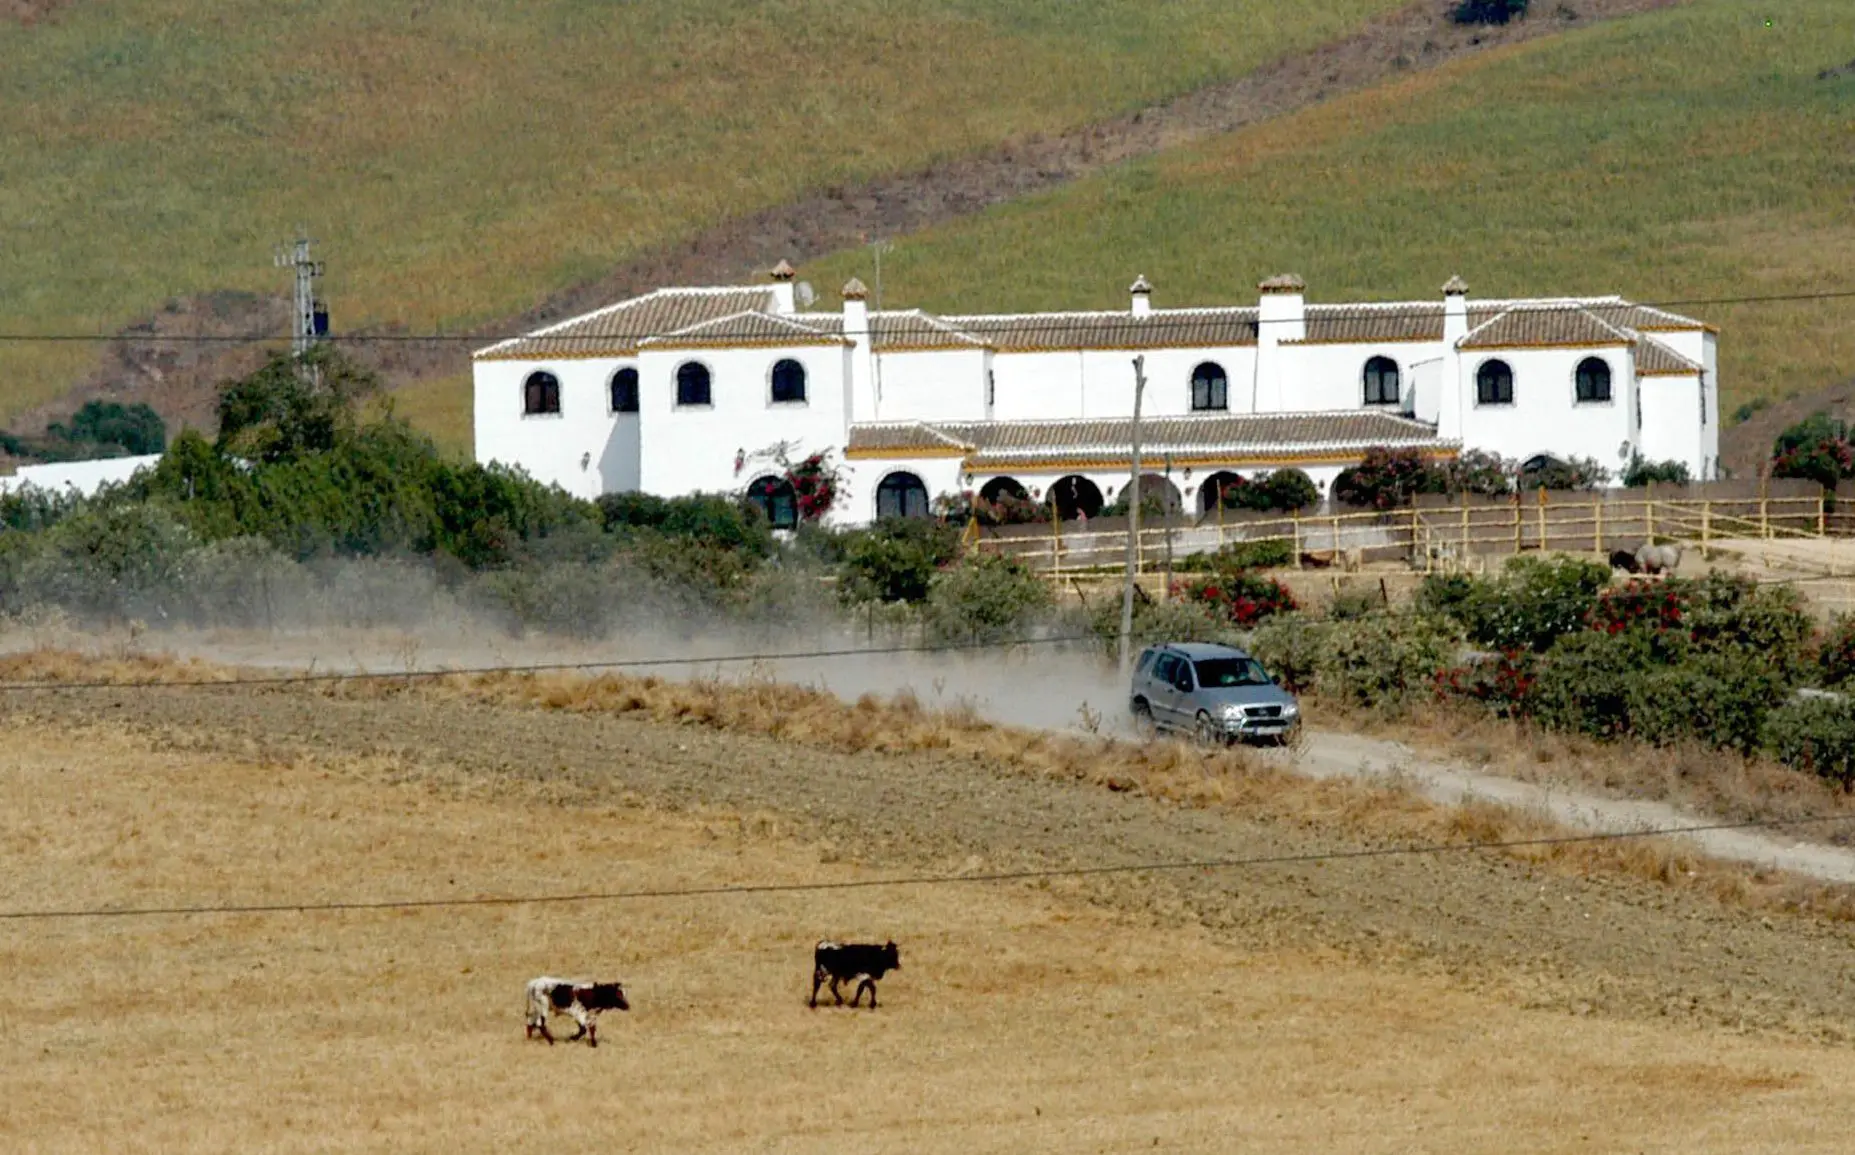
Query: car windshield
[[1222, 673]]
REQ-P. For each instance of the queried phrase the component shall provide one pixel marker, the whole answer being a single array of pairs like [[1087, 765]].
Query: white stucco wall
[[83, 477], [573, 448], [1331, 377], [1671, 430], [930, 385], [691, 449], [1545, 417]]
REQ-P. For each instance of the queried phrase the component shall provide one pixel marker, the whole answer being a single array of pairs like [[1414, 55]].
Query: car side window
[[1182, 675], [1163, 667], [1146, 662]]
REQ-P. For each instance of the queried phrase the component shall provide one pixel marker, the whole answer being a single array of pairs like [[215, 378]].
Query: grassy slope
[[460, 161], [1686, 154]]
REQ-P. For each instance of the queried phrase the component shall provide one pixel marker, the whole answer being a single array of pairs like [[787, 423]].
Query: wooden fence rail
[[1433, 535]]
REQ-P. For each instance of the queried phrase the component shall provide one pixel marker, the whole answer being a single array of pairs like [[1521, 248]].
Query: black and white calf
[[840, 962], [579, 1001]]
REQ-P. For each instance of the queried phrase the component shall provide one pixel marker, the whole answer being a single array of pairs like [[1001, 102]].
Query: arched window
[[776, 500], [1494, 384], [1215, 488], [1593, 379], [901, 495], [1000, 488], [541, 393], [1210, 387], [788, 381], [692, 383], [625, 391], [1075, 496], [1381, 382]]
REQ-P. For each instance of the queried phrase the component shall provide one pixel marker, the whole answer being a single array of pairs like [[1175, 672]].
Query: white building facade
[[708, 390]]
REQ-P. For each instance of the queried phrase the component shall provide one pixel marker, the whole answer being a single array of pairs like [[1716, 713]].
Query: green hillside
[[461, 161], [1687, 154]]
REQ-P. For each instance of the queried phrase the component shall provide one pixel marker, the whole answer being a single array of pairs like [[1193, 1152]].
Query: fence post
[[1335, 543], [1822, 514], [1543, 540], [1517, 521], [1465, 531], [1764, 507], [1295, 521], [1648, 513], [1597, 524], [1706, 527]]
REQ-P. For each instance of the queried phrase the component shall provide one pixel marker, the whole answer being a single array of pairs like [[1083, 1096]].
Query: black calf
[[839, 962]]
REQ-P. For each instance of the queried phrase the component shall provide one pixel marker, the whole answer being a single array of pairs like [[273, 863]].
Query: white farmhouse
[[704, 389]]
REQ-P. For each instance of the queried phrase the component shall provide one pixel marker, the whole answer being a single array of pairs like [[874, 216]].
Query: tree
[[292, 405], [136, 428], [1815, 449], [1387, 479]]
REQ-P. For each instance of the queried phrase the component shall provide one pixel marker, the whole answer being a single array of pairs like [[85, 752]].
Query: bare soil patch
[[29, 11], [1024, 1019], [1420, 37]]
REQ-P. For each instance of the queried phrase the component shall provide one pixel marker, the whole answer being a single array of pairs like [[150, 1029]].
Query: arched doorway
[[1214, 488], [1003, 487], [775, 498], [1075, 496], [1159, 496], [901, 495]]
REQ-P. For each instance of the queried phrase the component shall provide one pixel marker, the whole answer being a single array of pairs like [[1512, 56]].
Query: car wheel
[[1208, 732], [1144, 726]]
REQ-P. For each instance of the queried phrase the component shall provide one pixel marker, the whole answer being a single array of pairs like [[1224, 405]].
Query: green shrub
[[708, 519], [1356, 600], [1291, 648], [1815, 449], [1748, 410], [1815, 735], [245, 583], [1573, 473], [1387, 479], [125, 561], [1281, 491], [1534, 602], [1383, 659], [1168, 621], [1268, 553], [1640, 473], [985, 598], [1587, 683], [1767, 626], [1502, 683], [1835, 655], [1480, 472], [1718, 700], [895, 560], [134, 429]]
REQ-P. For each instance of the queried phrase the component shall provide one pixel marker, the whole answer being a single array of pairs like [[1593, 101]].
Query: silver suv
[[1215, 693]]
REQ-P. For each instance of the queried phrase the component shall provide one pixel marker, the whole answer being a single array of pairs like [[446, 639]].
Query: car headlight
[[1292, 710], [1233, 711]]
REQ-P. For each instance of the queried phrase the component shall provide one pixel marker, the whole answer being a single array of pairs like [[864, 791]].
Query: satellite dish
[[805, 293]]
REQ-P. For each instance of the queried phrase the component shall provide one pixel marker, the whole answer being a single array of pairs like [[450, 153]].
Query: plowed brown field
[[1438, 1003]]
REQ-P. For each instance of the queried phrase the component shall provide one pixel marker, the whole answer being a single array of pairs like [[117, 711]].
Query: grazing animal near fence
[[1624, 560], [579, 1001], [1658, 559], [838, 962]]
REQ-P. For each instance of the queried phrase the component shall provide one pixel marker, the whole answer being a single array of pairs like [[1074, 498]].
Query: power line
[[749, 889], [1058, 322], [542, 667]]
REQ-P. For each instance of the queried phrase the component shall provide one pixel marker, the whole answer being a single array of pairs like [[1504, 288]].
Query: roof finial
[[855, 290], [1140, 285], [1456, 287], [784, 271], [1283, 283]]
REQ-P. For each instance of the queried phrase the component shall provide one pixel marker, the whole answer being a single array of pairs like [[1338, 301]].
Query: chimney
[[782, 287], [1282, 316], [1142, 291], [1455, 311], [862, 374], [1449, 413]]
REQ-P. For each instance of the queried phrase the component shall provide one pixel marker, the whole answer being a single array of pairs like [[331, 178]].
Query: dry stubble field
[[1026, 1018]]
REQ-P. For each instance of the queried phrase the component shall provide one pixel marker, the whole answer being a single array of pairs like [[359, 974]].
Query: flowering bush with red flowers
[[1835, 658], [815, 483], [1240, 598], [1502, 683], [1658, 606]]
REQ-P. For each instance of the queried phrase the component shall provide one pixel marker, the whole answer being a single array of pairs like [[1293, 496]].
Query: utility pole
[[1133, 523], [309, 315]]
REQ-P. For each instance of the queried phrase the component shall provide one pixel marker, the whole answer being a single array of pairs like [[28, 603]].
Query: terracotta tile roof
[[900, 330], [1624, 315], [1654, 359], [1025, 443], [1545, 323], [617, 330], [1160, 329], [748, 329]]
